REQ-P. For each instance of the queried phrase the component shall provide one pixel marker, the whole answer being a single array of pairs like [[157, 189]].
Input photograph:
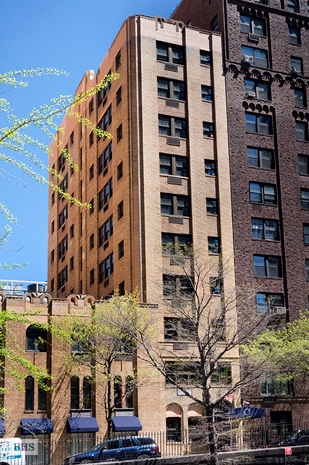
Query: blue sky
[[71, 35]]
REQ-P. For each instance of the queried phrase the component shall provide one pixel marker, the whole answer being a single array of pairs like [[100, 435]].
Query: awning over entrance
[[2, 428], [126, 423], [82, 425], [36, 426]]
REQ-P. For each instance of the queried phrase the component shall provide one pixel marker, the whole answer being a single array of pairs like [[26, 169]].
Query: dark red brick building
[[266, 52]]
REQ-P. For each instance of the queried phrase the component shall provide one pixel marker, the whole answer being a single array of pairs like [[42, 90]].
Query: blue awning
[[82, 425], [126, 423], [36, 426], [2, 428]]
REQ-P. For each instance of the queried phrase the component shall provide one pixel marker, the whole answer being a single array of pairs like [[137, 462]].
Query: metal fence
[[231, 436]]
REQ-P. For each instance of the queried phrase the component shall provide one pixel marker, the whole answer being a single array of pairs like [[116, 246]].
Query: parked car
[[294, 438], [125, 448]]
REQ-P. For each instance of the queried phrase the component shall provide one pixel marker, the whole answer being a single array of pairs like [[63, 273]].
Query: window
[[205, 58], [294, 35], [303, 165], [63, 247], [120, 250], [74, 393], [62, 159], [91, 172], [174, 243], [182, 373], [119, 171], [260, 124], [178, 328], [52, 256], [120, 210], [72, 263], [36, 339], [254, 56], [271, 387], [42, 397], [118, 59], [214, 24], [52, 226], [177, 286], [62, 277], [175, 205], [72, 138], [170, 126], [300, 98], [213, 245], [106, 267], [301, 131], [307, 269], [63, 216], [263, 193], [106, 193], [130, 388], [63, 185], [102, 94], [91, 241], [170, 53], [29, 393], [106, 120], [90, 106], [222, 374], [121, 288], [265, 301], [117, 392], [210, 167], [86, 393], [106, 230], [91, 277], [297, 65], [304, 196], [168, 88], [260, 158], [91, 204], [264, 229], [257, 89], [118, 95], [215, 285], [174, 165], [206, 93], [212, 206], [266, 266], [105, 158], [306, 233], [72, 231], [252, 25], [91, 138], [119, 133], [208, 129], [293, 6]]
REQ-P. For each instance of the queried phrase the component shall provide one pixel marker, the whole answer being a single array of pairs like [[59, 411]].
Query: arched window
[[86, 393], [36, 339], [117, 392], [129, 391], [29, 393], [74, 393]]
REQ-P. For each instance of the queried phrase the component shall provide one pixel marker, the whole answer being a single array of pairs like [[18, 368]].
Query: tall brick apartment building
[[164, 177], [266, 55]]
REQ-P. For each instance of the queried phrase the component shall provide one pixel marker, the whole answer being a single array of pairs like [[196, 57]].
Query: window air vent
[[247, 59], [172, 103], [170, 67], [296, 69], [278, 311], [254, 37], [250, 94]]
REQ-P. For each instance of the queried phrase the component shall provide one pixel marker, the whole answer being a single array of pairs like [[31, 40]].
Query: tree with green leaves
[[99, 338], [19, 145], [284, 353]]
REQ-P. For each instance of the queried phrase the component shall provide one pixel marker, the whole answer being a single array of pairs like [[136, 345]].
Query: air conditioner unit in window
[[278, 310], [296, 69], [254, 37], [247, 59], [250, 94]]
